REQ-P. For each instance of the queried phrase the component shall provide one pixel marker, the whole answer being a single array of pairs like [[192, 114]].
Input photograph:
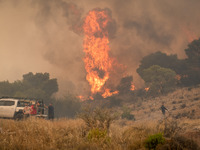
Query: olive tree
[[159, 80]]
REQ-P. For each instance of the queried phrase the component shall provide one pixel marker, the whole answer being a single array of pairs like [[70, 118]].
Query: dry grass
[[182, 103], [42, 134], [72, 134], [122, 134], [68, 134]]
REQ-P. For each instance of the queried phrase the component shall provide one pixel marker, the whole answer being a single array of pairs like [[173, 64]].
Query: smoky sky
[[46, 36]]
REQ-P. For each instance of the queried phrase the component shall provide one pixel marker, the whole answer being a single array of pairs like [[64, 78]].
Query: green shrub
[[159, 80], [97, 135], [153, 140]]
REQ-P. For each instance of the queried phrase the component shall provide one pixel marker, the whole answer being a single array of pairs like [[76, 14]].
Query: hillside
[[180, 128], [183, 110], [182, 103]]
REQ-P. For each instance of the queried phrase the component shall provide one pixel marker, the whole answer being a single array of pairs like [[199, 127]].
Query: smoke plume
[[46, 36]]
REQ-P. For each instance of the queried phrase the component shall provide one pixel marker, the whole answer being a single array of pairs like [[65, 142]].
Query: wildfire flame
[[91, 98], [82, 98], [146, 89], [178, 77], [132, 87], [96, 48], [108, 93]]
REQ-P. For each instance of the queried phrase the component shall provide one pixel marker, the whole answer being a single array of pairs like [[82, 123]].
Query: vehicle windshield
[[22, 103], [6, 103]]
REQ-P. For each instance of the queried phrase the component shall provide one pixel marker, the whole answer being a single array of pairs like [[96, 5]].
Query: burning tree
[[159, 80]]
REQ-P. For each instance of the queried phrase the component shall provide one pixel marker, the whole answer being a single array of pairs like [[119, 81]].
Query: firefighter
[[27, 110], [33, 109], [50, 111], [163, 108]]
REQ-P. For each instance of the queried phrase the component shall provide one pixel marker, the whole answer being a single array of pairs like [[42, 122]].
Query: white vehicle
[[13, 108]]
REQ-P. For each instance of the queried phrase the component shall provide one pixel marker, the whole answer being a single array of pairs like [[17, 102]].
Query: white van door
[[9, 108]]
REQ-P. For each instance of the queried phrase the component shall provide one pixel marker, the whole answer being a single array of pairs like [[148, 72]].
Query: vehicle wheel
[[19, 116]]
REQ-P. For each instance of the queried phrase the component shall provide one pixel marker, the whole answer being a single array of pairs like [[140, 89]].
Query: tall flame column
[[96, 48]]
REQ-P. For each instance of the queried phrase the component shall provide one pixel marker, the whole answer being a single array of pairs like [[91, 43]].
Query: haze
[[46, 36]]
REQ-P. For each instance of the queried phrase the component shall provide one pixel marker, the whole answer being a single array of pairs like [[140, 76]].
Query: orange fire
[[96, 48], [132, 87], [178, 77], [91, 98], [146, 89], [108, 93], [82, 98]]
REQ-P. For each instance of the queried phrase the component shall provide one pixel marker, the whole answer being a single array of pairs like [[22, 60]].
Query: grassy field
[[180, 128], [73, 134]]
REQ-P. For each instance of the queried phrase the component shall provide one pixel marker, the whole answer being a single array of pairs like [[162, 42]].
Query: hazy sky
[[45, 35]]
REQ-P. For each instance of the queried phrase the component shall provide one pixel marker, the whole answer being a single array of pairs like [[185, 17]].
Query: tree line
[[39, 86], [162, 72]]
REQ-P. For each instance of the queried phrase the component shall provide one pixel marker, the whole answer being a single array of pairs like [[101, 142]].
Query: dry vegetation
[[183, 103], [181, 127]]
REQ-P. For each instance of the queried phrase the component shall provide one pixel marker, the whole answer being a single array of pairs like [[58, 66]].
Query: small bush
[[170, 127], [181, 97], [179, 143], [193, 111], [186, 143], [127, 114], [174, 108], [113, 101], [135, 136], [174, 102], [152, 109], [197, 98], [181, 115], [97, 117], [153, 140], [183, 106], [97, 135]]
